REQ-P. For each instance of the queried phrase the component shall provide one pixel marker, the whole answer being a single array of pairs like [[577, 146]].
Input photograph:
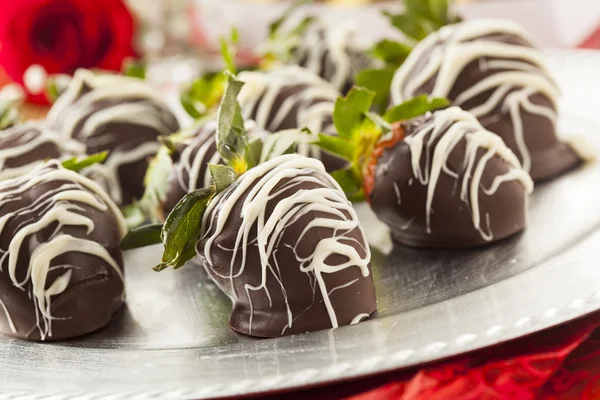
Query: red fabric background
[[558, 364]]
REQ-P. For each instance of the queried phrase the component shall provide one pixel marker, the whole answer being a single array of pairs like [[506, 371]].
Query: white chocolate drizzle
[[449, 127], [57, 207], [24, 138], [313, 101], [263, 183], [196, 155], [107, 174], [327, 52], [92, 102], [516, 72]]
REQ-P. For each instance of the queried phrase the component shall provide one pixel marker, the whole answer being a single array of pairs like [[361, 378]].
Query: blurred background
[[180, 38], [557, 23]]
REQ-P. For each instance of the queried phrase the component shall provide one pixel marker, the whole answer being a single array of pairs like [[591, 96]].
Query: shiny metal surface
[[172, 341]]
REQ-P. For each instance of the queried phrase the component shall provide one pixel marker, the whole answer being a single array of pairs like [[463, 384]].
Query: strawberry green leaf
[[420, 8], [284, 142], [141, 237], [156, 183], [421, 17], [391, 52], [414, 108], [56, 85], [348, 113], [231, 133], [378, 81], [52, 91], [336, 145], [182, 229], [203, 95], [77, 164], [438, 11], [222, 176], [276, 24], [350, 184], [253, 152], [281, 44], [135, 68], [227, 56], [11, 98], [411, 26], [9, 115], [229, 50], [134, 215], [235, 36]]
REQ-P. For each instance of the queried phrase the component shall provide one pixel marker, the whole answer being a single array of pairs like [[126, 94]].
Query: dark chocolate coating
[[270, 317], [451, 223], [550, 156], [315, 44], [94, 292], [184, 160], [297, 88], [119, 135], [26, 145]]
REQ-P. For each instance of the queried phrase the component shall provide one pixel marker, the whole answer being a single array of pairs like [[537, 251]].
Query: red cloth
[[592, 41], [557, 364]]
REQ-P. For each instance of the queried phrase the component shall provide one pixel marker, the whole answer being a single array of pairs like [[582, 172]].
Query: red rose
[[59, 36]]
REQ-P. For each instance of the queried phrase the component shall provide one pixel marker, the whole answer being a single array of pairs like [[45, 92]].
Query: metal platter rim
[[565, 280]]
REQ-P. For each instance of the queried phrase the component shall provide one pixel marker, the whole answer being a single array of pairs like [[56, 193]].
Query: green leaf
[[253, 152], [350, 184], [391, 52], [348, 113], [134, 215], [9, 116], [182, 229], [168, 143], [56, 85], [135, 68], [414, 108], [142, 237], [52, 90], [439, 12], [231, 133], [422, 17], [379, 82], [156, 183], [203, 95], [280, 45], [420, 8], [284, 142], [229, 50], [222, 176], [276, 24], [411, 26], [302, 26], [11, 98], [235, 36], [77, 164], [336, 145]]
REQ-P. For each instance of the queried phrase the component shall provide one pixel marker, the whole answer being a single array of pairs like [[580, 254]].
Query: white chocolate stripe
[[456, 124], [57, 207], [260, 183], [515, 72], [313, 103]]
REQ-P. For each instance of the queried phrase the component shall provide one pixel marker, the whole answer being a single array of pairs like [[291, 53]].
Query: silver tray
[[171, 341]]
